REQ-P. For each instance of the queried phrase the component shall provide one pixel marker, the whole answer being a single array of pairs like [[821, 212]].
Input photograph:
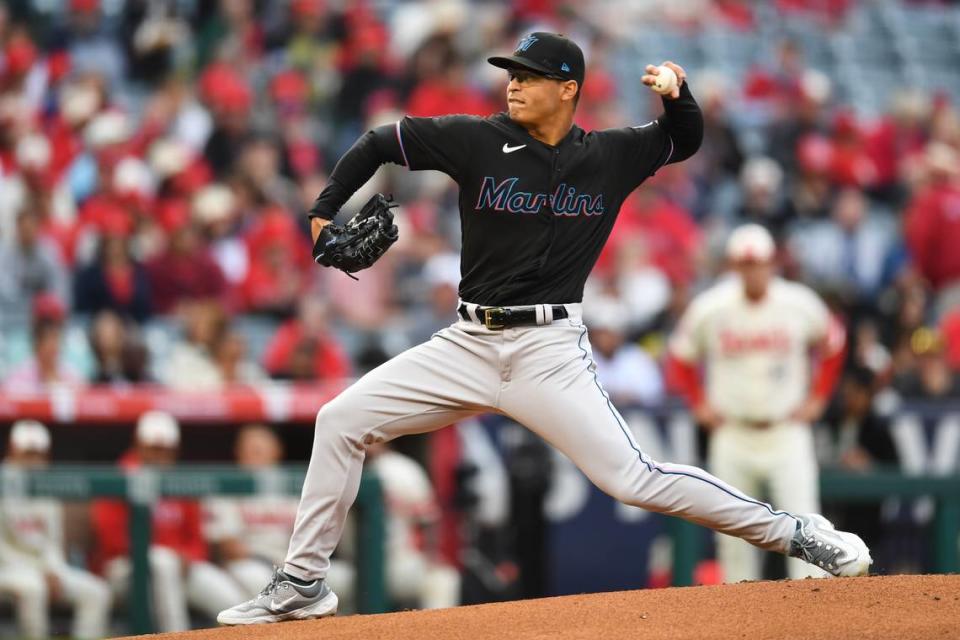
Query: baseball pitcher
[[538, 198], [755, 335]]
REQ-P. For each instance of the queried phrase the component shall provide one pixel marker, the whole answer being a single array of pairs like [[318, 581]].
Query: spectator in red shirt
[[279, 263], [448, 92], [19, 55], [229, 98], [853, 165], [304, 349], [672, 237], [184, 271], [933, 219], [179, 571], [812, 190], [900, 135], [778, 83], [115, 281]]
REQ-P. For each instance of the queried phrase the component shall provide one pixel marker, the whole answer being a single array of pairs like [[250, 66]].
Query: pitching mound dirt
[[900, 607]]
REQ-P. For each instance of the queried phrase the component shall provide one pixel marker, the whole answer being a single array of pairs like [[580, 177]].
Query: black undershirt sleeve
[[374, 148], [682, 120]]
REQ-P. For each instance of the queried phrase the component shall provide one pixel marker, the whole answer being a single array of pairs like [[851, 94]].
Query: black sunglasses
[[524, 74]]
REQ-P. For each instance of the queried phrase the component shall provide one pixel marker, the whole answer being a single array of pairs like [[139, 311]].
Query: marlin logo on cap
[[526, 43], [564, 67]]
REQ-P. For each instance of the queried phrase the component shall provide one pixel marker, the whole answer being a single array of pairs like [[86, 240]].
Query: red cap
[[371, 36], [815, 154], [108, 217], [84, 6], [223, 87], [845, 124], [308, 7], [173, 214], [759, 84], [115, 221], [58, 65], [289, 86], [193, 178], [275, 227], [235, 98], [20, 54], [47, 306], [213, 78]]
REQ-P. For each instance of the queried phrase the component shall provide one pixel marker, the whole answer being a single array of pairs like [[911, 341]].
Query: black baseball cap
[[549, 54]]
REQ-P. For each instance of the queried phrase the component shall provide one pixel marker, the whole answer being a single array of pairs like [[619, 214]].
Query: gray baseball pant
[[544, 378]]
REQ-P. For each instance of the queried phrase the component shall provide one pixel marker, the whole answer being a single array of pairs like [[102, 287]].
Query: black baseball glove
[[359, 243]]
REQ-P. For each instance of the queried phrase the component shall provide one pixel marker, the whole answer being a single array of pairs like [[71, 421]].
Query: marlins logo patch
[[526, 43]]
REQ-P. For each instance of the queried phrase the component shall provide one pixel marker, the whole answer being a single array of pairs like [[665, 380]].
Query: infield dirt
[[896, 607]]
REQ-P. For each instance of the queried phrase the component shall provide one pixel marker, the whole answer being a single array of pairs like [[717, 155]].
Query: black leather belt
[[504, 317]]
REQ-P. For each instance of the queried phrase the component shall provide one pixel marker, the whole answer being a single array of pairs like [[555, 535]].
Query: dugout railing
[[143, 487]]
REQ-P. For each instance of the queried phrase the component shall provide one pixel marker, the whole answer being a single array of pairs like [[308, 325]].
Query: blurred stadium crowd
[[157, 159]]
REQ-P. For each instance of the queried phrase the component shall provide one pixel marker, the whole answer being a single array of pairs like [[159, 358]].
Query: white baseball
[[666, 80]]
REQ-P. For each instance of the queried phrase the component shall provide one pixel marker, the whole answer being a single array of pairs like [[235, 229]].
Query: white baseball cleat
[[283, 599], [840, 553]]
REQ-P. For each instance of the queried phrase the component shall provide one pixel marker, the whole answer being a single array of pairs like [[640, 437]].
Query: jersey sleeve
[[816, 314], [688, 342], [673, 137], [827, 337], [638, 151], [441, 143]]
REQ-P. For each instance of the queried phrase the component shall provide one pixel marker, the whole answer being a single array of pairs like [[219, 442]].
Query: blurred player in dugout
[[33, 565], [770, 354], [417, 576], [180, 574], [249, 536]]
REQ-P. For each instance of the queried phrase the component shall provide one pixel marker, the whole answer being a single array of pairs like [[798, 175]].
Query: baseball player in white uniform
[[538, 198], [180, 574], [33, 566], [754, 334], [415, 573]]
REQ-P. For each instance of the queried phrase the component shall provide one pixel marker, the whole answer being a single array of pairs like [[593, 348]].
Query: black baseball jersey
[[534, 217]]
